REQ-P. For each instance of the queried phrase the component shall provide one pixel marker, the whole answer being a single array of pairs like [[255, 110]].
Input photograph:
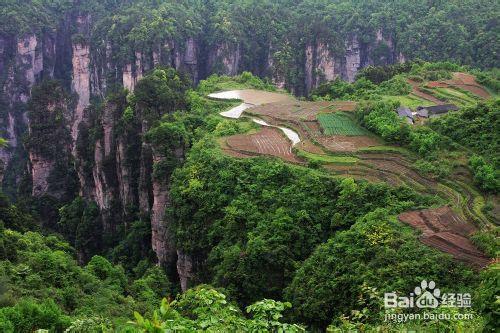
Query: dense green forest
[[271, 36], [124, 208], [259, 229]]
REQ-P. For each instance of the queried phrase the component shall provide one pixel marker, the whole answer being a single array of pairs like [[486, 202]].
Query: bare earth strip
[[300, 110], [422, 94], [343, 143], [446, 231], [268, 141]]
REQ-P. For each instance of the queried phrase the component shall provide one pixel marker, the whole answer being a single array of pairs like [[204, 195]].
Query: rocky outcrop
[[127, 194], [80, 83], [320, 65], [352, 58], [103, 173], [22, 59], [325, 64], [184, 269], [29, 58], [128, 78], [224, 59], [48, 141], [161, 239], [161, 233], [186, 58], [41, 168], [309, 67]]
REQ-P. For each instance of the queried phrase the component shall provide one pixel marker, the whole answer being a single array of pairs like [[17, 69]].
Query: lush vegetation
[[293, 246], [362, 89], [463, 32], [339, 123], [206, 309], [356, 258], [477, 128]]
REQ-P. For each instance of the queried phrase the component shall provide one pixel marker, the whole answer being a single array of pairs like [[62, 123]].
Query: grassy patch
[[410, 100], [384, 149], [451, 95], [339, 123], [327, 159]]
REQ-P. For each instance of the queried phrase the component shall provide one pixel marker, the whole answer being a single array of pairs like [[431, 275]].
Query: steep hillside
[[295, 159]]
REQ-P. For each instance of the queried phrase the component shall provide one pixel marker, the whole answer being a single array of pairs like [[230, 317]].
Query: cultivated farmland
[[339, 123], [268, 141]]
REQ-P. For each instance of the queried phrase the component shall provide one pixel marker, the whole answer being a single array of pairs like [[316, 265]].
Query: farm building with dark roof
[[435, 111]]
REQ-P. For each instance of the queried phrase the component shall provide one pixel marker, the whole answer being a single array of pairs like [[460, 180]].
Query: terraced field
[[331, 139], [268, 141], [461, 90], [339, 123], [445, 230]]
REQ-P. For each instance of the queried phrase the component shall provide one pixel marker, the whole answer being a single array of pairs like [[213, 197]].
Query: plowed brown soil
[[342, 143], [476, 90], [310, 147], [299, 110], [268, 141], [313, 127], [416, 91], [436, 84], [468, 82], [446, 231], [463, 78]]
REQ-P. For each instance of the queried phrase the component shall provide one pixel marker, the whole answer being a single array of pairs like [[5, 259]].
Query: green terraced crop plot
[[339, 123]]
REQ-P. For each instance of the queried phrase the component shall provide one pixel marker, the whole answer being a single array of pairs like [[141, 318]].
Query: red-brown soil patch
[[346, 143], [468, 82], [476, 90], [292, 110], [446, 231], [436, 84], [416, 91], [299, 110], [310, 147], [268, 141], [313, 127], [463, 78], [345, 105]]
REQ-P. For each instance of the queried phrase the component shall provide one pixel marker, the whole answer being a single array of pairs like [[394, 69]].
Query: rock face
[[29, 58], [320, 65], [80, 83], [103, 172], [41, 168], [161, 235], [97, 147], [352, 58], [325, 63], [184, 269], [224, 59], [48, 142]]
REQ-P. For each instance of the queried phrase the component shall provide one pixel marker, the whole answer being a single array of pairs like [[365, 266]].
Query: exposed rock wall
[[224, 59], [41, 168], [352, 58], [48, 141], [104, 175], [326, 64], [80, 83], [161, 234], [108, 172], [184, 269]]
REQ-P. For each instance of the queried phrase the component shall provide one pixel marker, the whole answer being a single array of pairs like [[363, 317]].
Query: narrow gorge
[[65, 84]]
